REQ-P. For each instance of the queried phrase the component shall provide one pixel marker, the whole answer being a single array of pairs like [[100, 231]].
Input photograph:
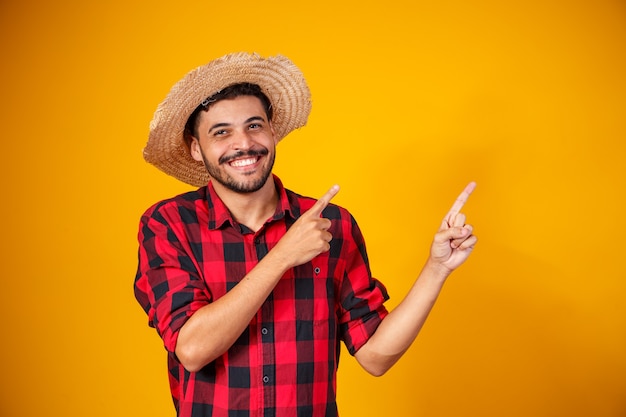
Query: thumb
[[447, 234]]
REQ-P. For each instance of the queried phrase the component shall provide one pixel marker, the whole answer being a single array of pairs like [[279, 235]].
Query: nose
[[241, 139]]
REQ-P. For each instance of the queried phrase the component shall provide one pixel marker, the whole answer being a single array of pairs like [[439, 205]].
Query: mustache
[[241, 154]]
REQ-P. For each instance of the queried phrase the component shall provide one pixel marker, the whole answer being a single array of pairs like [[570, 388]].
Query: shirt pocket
[[314, 297]]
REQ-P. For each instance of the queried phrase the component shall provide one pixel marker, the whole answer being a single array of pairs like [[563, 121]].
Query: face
[[236, 143]]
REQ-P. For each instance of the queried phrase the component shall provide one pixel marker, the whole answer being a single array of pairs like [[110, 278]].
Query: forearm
[[399, 329], [214, 328], [452, 244]]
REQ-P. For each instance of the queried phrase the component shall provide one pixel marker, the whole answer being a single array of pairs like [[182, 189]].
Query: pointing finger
[[458, 220], [321, 204], [460, 202]]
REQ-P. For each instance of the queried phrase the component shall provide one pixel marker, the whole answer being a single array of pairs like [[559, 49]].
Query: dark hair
[[230, 92]]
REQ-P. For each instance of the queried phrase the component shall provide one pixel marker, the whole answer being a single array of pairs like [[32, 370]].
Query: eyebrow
[[251, 119]]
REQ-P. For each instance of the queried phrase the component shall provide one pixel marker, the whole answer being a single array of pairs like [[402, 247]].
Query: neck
[[250, 209]]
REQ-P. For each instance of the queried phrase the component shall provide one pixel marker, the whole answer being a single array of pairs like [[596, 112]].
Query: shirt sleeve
[[362, 296], [167, 284]]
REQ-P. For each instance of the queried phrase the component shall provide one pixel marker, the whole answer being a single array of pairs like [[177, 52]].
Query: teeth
[[243, 162]]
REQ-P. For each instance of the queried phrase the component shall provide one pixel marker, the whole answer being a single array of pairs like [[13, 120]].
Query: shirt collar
[[219, 214]]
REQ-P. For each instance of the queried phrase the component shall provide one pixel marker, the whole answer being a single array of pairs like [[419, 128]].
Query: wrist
[[436, 270], [277, 261]]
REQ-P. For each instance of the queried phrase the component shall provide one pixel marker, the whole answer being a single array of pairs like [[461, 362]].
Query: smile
[[240, 163]]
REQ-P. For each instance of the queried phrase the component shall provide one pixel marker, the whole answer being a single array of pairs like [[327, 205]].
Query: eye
[[255, 126], [220, 132]]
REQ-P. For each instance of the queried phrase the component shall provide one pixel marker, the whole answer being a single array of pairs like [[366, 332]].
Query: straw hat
[[280, 80]]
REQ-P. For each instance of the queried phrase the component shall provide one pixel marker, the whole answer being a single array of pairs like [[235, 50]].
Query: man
[[251, 286]]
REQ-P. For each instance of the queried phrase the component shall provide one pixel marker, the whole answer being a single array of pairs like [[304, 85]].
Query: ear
[[195, 150]]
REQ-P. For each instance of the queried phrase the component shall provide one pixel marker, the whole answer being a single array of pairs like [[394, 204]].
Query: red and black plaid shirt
[[284, 364]]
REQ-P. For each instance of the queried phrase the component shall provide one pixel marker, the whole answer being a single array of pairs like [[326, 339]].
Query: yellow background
[[411, 101]]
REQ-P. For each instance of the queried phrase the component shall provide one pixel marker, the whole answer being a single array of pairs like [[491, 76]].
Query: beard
[[245, 187]]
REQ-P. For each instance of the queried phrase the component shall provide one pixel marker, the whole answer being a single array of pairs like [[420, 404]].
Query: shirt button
[[317, 270], [266, 379], [264, 330]]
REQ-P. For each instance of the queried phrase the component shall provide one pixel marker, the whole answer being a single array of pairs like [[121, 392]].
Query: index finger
[[460, 201], [321, 204]]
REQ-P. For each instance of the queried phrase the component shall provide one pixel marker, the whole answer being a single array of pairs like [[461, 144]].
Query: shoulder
[[191, 201]]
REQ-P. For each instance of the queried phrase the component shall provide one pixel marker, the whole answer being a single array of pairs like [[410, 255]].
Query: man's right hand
[[309, 235]]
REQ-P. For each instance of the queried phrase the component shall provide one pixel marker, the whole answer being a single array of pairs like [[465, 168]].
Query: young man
[[251, 286]]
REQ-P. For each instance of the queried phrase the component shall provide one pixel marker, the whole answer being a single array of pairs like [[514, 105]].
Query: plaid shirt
[[284, 364]]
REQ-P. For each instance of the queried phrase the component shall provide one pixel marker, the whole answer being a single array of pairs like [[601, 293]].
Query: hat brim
[[279, 78]]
